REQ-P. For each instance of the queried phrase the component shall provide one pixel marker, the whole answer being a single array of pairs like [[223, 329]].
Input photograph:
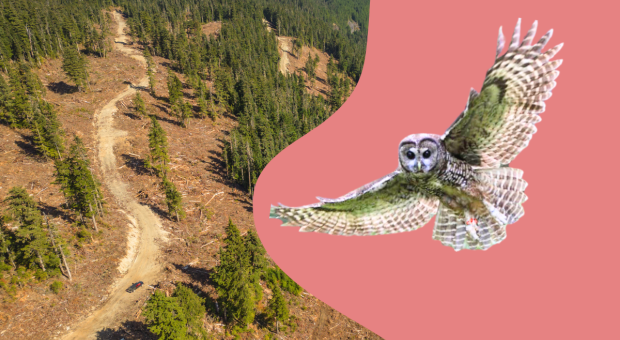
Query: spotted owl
[[462, 176]]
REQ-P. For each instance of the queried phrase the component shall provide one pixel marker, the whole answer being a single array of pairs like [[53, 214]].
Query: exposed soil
[[118, 142], [295, 62], [212, 28], [145, 266]]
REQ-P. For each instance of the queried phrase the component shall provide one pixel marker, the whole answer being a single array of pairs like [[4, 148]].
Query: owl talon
[[472, 228]]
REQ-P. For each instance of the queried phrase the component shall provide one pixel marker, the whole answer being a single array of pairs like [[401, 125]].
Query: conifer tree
[[233, 279], [31, 237], [152, 81], [158, 145], [140, 105], [46, 129], [174, 200], [75, 66], [174, 88], [277, 307], [186, 112], [165, 317], [150, 67], [194, 310], [78, 184]]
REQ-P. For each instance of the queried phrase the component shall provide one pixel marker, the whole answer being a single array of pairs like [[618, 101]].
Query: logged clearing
[[145, 266], [139, 242]]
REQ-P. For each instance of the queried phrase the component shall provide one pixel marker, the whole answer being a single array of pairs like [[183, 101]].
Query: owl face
[[420, 153]]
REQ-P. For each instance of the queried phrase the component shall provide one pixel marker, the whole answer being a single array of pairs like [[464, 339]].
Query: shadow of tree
[[136, 164], [128, 330], [168, 120], [61, 87], [132, 116], [29, 149]]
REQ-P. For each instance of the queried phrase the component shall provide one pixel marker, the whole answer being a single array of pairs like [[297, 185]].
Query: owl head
[[421, 153]]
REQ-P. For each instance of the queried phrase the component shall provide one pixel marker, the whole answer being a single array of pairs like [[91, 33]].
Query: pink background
[[556, 275]]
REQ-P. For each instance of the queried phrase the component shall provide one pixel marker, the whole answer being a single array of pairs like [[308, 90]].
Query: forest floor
[[118, 144]]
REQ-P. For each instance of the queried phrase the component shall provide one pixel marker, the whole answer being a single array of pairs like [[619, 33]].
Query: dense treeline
[[163, 23], [34, 29], [273, 110]]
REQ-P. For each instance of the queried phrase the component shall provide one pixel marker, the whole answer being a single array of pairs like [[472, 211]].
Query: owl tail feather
[[452, 229], [503, 189]]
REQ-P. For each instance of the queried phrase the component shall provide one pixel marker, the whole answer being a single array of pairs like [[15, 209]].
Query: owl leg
[[472, 227]]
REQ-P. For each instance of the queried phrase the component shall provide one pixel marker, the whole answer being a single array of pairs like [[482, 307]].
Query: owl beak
[[419, 166]]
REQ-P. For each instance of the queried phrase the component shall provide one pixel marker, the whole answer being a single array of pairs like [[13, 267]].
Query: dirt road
[[141, 263]]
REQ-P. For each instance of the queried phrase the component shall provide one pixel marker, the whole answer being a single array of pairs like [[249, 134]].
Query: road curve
[[141, 263]]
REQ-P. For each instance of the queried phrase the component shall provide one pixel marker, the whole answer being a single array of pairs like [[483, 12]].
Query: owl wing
[[387, 205], [499, 122]]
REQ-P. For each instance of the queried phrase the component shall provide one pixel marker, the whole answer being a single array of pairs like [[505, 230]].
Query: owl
[[462, 176]]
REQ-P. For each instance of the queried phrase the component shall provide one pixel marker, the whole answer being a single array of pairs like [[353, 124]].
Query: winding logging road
[[141, 263]]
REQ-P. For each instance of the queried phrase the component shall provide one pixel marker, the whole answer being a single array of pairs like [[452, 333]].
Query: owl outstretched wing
[[499, 122], [385, 206]]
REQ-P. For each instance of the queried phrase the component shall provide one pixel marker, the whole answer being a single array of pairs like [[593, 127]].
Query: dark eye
[[410, 154], [426, 154]]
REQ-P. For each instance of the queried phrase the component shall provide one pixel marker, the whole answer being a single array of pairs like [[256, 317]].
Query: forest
[[233, 73]]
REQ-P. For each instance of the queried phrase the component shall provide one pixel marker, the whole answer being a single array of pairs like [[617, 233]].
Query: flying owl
[[462, 176]]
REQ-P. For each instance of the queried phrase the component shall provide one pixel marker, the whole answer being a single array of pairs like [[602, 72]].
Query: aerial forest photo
[[132, 134]]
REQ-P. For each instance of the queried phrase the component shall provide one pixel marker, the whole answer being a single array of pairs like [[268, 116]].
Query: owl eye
[[410, 154], [426, 154]]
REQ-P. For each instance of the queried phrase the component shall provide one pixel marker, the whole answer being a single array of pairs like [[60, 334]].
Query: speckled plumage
[[463, 175]]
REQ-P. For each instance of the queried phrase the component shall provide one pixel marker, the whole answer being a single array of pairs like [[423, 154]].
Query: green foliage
[[277, 309], [233, 277], [176, 317], [158, 145], [186, 112], [165, 317], [174, 200], [36, 29], [140, 105], [56, 287], [78, 184], [75, 65], [30, 245], [175, 88], [277, 277], [194, 310], [47, 131]]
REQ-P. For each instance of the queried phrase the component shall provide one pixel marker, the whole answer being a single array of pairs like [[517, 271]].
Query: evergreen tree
[[152, 81], [78, 184], [140, 105], [233, 279], [174, 200], [47, 131], [30, 236], [186, 112], [277, 307], [174, 88], [194, 310], [75, 66], [164, 317], [158, 145]]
